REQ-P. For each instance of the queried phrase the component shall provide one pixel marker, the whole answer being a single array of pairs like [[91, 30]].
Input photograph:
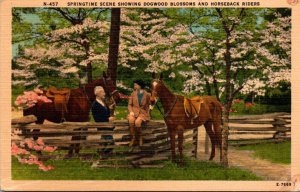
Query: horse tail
[[218, 124]]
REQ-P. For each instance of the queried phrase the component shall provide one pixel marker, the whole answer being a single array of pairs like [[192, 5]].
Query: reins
[[165, 115]]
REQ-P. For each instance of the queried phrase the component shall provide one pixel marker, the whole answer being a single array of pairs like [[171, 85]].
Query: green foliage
[[278, 95], [78, 170], [16, 91], [274, 152]]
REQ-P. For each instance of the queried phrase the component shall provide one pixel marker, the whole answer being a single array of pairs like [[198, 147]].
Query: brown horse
[[78, 106], [177, 120]]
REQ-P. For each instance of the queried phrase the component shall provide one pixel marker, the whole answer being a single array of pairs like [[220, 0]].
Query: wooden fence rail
[[257, 129], [156, 146], [245, 130]]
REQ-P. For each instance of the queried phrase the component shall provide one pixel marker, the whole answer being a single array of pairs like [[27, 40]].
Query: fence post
[[279, 126]]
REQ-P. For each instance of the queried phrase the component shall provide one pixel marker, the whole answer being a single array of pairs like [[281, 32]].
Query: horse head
[[108, 85], [156, 84]]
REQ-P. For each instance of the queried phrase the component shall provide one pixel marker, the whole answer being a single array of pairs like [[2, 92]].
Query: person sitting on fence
[[101, 113], [139, 112]]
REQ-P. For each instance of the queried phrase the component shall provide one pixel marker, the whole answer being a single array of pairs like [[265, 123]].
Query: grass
[[74, 169], [274, 152]]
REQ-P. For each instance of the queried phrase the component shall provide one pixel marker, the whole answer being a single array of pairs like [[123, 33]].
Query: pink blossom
[[28, 158], [15, 150], [40, 141], [22, 144], [44, 167], [22, 161], [249, 104], [49, 149], [29, 143], [38, 148], [237, 101]]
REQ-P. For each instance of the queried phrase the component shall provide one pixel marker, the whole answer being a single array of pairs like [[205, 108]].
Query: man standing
[[138, 107]]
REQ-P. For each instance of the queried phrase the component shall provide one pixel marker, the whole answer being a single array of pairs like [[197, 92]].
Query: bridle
[[110, 94], [165, 115]]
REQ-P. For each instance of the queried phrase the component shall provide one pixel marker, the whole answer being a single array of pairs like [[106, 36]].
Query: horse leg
[[218, 133], [77, 146], [211, 134], [172, 138], [180, 146], [39, 121], [74, 147]]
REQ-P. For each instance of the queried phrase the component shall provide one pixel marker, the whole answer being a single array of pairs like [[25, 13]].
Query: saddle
[[60, 98], [192, 106]]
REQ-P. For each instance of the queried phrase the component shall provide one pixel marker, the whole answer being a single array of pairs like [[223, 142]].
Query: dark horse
[[176, 119], [78, 106]]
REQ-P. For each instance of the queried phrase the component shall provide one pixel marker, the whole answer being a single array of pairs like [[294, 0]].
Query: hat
[[140, 83]]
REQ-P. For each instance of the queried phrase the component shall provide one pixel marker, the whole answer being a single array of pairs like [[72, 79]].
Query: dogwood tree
[[149, 36], [233, 52], [65, 52], [249, 51]]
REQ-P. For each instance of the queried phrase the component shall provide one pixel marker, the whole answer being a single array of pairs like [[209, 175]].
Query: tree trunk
[[114, 41], [217, 93], [89, 71], [208, 89], [225, 133], [227, 105]]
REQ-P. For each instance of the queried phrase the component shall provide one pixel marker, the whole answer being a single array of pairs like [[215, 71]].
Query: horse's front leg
[[180, 146], [172, 138], [39, 121]]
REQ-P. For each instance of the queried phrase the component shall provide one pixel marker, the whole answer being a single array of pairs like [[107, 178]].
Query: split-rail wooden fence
[[244, 130]]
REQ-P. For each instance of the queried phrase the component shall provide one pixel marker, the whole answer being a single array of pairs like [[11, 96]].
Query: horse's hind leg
[[211, 134], [218, 133]]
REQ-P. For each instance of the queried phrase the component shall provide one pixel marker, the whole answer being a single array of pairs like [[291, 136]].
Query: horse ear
[[161, 76], [153, 75], [104, 74]]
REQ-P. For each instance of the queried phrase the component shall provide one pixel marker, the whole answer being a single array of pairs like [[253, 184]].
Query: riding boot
[[132, 135], [139, 136]]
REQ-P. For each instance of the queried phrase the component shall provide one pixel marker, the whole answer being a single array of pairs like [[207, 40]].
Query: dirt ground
[[246, 160]]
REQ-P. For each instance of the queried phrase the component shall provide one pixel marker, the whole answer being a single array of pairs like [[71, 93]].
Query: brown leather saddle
[[60, 98], [192, 106]]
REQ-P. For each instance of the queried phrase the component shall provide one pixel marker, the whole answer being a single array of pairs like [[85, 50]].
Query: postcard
[[149, 95]]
